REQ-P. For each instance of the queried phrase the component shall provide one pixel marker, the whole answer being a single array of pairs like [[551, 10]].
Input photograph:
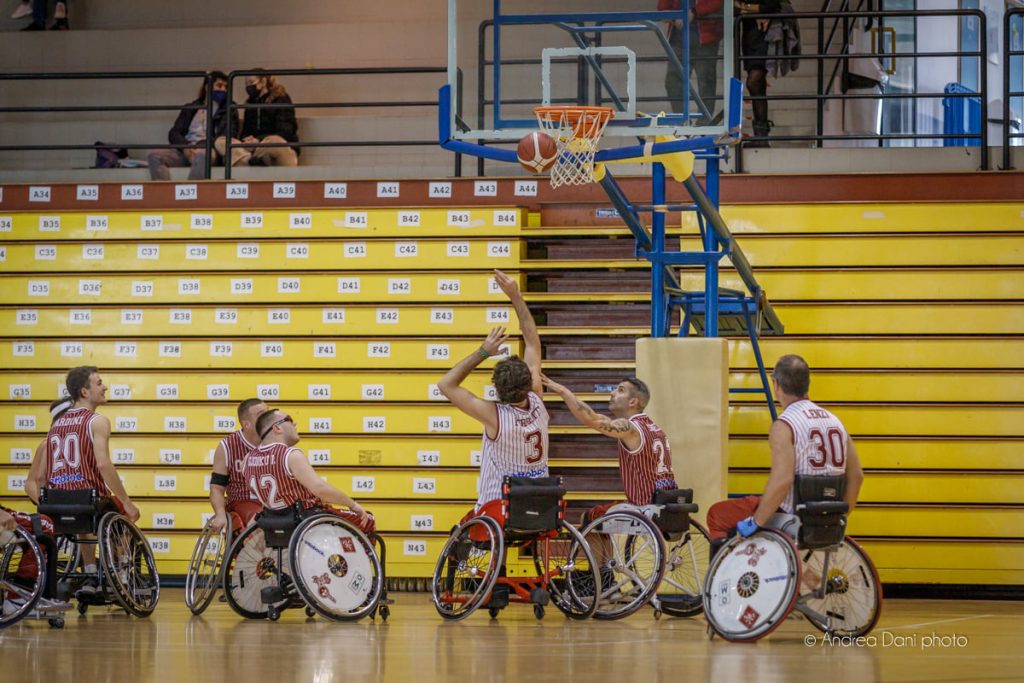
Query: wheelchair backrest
[[72, 512], [818, 502], [533, 504], [676, 507], [279, 525]]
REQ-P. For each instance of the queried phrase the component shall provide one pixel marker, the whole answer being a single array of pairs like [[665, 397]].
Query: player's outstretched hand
[[364, 516], [131, 512], [507, 285], [492, 345], [219, 522], [553, 385], [7, 521]]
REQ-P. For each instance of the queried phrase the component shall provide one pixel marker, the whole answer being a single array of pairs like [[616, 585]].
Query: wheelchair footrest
[[271, 595], [681, 601]]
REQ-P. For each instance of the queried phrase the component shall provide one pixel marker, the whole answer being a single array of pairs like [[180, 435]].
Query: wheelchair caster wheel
[[538, 611], [657, 615], [83, 608], [56, 623], [493, 611], [273, 613], [385, 612], [310, 612]]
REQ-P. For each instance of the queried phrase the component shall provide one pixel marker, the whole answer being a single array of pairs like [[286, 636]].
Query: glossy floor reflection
[[916, 640]]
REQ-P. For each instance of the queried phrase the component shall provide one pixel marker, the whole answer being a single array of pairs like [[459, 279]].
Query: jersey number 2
[[268, 486]]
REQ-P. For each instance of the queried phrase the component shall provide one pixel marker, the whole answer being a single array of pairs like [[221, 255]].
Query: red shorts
[[725, 515], [245, 510], [28, 565], [492, 509], [367, 527]]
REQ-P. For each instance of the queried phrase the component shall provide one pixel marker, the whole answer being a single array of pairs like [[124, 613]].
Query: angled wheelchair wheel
[[69, 555], [128, 565], [686, 565], [336, 570], [204, 568], [572, 571], [467, 568], [849, 602], [751, 585], [19, 594], [249, 567], [628, 549]]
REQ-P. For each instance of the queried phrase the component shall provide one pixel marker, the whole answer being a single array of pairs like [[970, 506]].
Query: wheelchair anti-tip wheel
[[19, 594], [751, 585], [628, 549], [848, 602], [249, 568], [686, 565], [204, 568], [568, 562], [128, 565], [336, 570], [467, 568]]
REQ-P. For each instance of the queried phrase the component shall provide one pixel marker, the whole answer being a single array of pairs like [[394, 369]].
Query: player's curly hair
[[512, 380]]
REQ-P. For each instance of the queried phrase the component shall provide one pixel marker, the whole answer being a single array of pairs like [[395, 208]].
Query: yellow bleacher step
[[936, 521], [187, 289], [947, 561], [995, 488], [349, 223], [426, 451], [353, 254], [252, 320], [982, 453], [226, 354]]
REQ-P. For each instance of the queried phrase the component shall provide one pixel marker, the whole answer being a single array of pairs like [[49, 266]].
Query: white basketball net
[[577, 133]]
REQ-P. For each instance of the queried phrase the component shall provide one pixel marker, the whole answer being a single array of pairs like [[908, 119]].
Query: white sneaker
[[13, 605], [60, 11], [23, 10]]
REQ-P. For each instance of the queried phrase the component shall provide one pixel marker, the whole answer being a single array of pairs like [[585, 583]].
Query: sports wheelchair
[[651, 554], [126, 573], [471, 570], [32, 596], [205, 571], [306, 557], [754, 583]]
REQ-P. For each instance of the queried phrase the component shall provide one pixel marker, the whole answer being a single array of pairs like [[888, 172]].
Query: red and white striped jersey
[[266, 470], [649, 467], [235, 449], [819, 442], [70, 459], [520, 449]]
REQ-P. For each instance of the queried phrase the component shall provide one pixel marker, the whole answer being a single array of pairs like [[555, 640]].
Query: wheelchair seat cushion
[[279, 525], [818, 502], [534, 504], [676, 507], [72, 511]]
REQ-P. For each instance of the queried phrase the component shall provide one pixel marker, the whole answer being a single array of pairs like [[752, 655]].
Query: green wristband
[[484, 354]]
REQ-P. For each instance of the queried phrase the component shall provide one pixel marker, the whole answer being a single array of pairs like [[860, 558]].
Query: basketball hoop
[[577, 132]]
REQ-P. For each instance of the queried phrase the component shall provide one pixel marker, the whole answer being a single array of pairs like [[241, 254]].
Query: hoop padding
[[577, 132]]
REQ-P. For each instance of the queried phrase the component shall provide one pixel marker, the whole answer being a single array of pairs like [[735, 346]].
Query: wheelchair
[[309, 558], [205, 571], [650, 554], [471, 570], [754, 583], [126, 573], [33, 596]]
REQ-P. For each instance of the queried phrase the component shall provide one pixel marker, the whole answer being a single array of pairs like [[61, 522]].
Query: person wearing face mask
[[190, 129], [272, 125]]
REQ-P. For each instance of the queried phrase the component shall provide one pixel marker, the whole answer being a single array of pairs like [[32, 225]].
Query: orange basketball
[[537, 152]]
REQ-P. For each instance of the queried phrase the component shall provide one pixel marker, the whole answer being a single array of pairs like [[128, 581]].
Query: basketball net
[[577, 132]]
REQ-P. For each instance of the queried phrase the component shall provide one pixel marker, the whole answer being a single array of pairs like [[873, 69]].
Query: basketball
[[537, 152]]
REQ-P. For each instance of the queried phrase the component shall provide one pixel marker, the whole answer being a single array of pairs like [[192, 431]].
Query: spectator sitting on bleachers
[[37, 8], [190, 128], [272, 125]]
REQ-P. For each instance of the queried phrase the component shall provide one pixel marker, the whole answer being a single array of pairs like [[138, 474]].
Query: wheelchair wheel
[[249, 568], [852, 601], [568, 561], [128, 565], [19, 594], [204, 569], [336, 570], [69, 554], [467, 568], [751, 585], [629, 552], [685, 568]]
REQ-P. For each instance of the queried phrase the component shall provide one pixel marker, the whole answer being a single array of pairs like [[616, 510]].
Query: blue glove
[[747, 527]]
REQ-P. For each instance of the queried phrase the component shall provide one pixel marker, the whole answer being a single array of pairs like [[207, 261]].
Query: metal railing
[[1008, 92], [821, 57], [207, 145]]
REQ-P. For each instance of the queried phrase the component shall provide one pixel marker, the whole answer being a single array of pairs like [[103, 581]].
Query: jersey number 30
[[831, 448]]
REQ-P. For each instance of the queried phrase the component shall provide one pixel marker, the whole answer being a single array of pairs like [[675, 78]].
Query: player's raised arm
[[304, 473], [617, 428], [100, 441], [465, 400], [531, 354]]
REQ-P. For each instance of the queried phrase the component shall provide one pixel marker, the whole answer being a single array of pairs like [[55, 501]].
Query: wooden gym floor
[[916, 640]]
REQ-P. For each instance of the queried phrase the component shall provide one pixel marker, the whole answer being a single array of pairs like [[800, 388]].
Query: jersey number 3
[[535, 441]]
